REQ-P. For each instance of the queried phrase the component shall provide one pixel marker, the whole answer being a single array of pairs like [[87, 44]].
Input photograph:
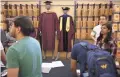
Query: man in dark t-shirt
[[77, 57]]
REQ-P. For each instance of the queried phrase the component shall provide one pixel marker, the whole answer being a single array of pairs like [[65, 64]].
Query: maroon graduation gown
[[64, 36], [48, 25]]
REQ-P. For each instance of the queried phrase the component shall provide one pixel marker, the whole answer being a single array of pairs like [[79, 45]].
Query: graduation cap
[[48, 2], [65, 8]]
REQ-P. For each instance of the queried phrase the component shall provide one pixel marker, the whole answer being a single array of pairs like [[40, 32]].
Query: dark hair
[[109, 34], [25, 23], [103, 16]]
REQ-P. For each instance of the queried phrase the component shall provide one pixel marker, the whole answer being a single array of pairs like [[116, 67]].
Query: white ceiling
[[114, 1], [60, 0]]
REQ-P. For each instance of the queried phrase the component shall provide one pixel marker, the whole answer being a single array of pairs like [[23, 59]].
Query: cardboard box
[[83, 33], [115, 27], [119, 26], [84, 24], [78, 24], [118, 56], [118, 44], [89, 30], [78, 33], [79, 10], [116, 8], [116, 17], [118, 35]]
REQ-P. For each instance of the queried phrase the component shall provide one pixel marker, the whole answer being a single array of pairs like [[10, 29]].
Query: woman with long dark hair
[[105, 40]]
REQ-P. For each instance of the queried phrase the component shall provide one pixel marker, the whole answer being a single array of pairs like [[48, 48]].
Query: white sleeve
[[93, 32], [1, 46]]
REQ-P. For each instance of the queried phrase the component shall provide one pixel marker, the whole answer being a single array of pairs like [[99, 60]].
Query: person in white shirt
[[96, 30], [3, 56]]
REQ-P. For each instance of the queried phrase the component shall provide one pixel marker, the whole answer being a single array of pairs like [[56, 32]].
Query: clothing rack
[[87, 16], [16, 9]]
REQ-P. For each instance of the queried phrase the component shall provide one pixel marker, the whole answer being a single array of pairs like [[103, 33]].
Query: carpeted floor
[[59, 71]]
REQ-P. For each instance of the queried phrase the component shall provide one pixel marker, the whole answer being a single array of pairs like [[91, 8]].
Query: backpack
[[99, 62]]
